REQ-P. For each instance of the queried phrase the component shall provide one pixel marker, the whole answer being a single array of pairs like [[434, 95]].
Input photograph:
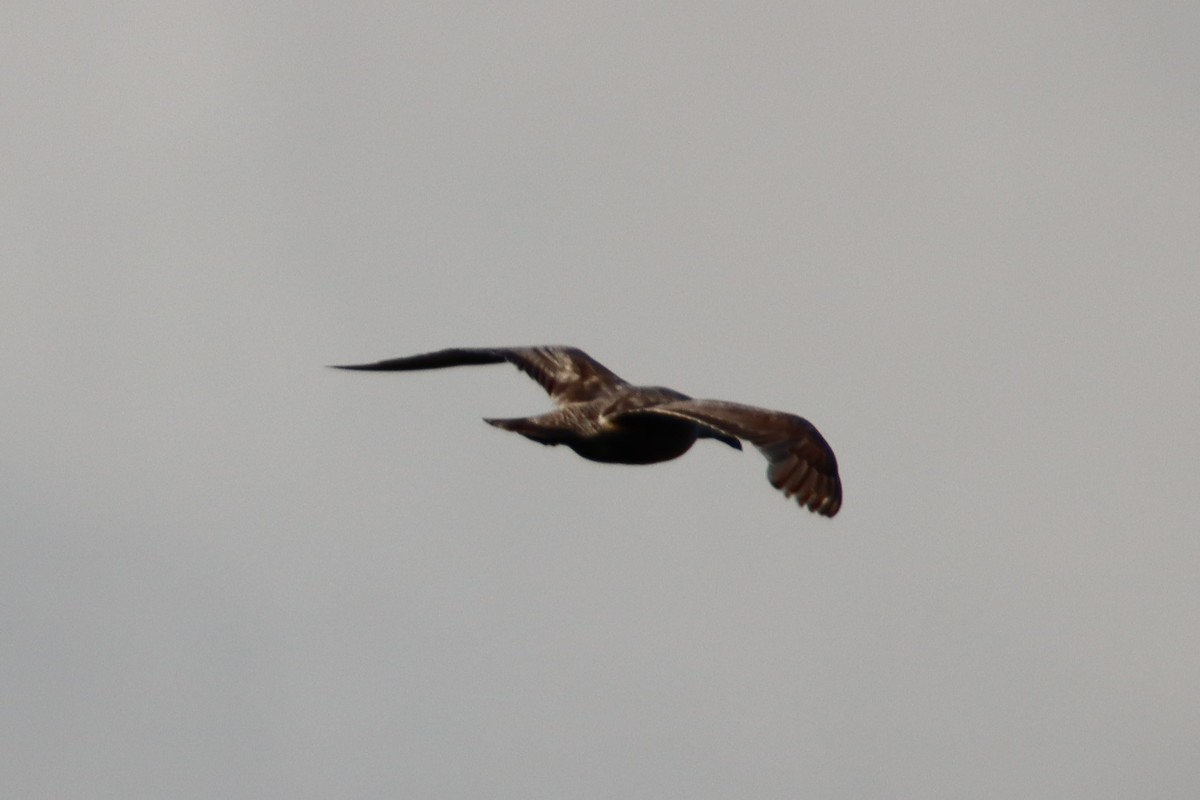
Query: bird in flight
[[604, 418]]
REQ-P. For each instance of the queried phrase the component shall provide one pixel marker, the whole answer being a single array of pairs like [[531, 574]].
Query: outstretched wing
[[801, 462], [568, 374]]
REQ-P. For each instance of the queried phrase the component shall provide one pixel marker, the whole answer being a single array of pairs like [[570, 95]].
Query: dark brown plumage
[[603, 418]]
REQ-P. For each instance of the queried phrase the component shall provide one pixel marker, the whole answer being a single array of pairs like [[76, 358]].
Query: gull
[[604, 418]]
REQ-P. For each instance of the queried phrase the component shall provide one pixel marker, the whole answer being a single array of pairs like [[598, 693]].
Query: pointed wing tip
[[827, 506], [821, 508], [823, 500], [829, 511]]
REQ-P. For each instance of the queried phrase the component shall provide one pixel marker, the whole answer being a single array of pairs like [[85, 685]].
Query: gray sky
[[960, 238]]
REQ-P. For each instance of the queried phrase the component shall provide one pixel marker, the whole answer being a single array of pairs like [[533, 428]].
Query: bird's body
[[603, 418], [605, 430]]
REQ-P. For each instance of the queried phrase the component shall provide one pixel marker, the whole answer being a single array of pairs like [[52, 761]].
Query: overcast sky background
[[961, 238]]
